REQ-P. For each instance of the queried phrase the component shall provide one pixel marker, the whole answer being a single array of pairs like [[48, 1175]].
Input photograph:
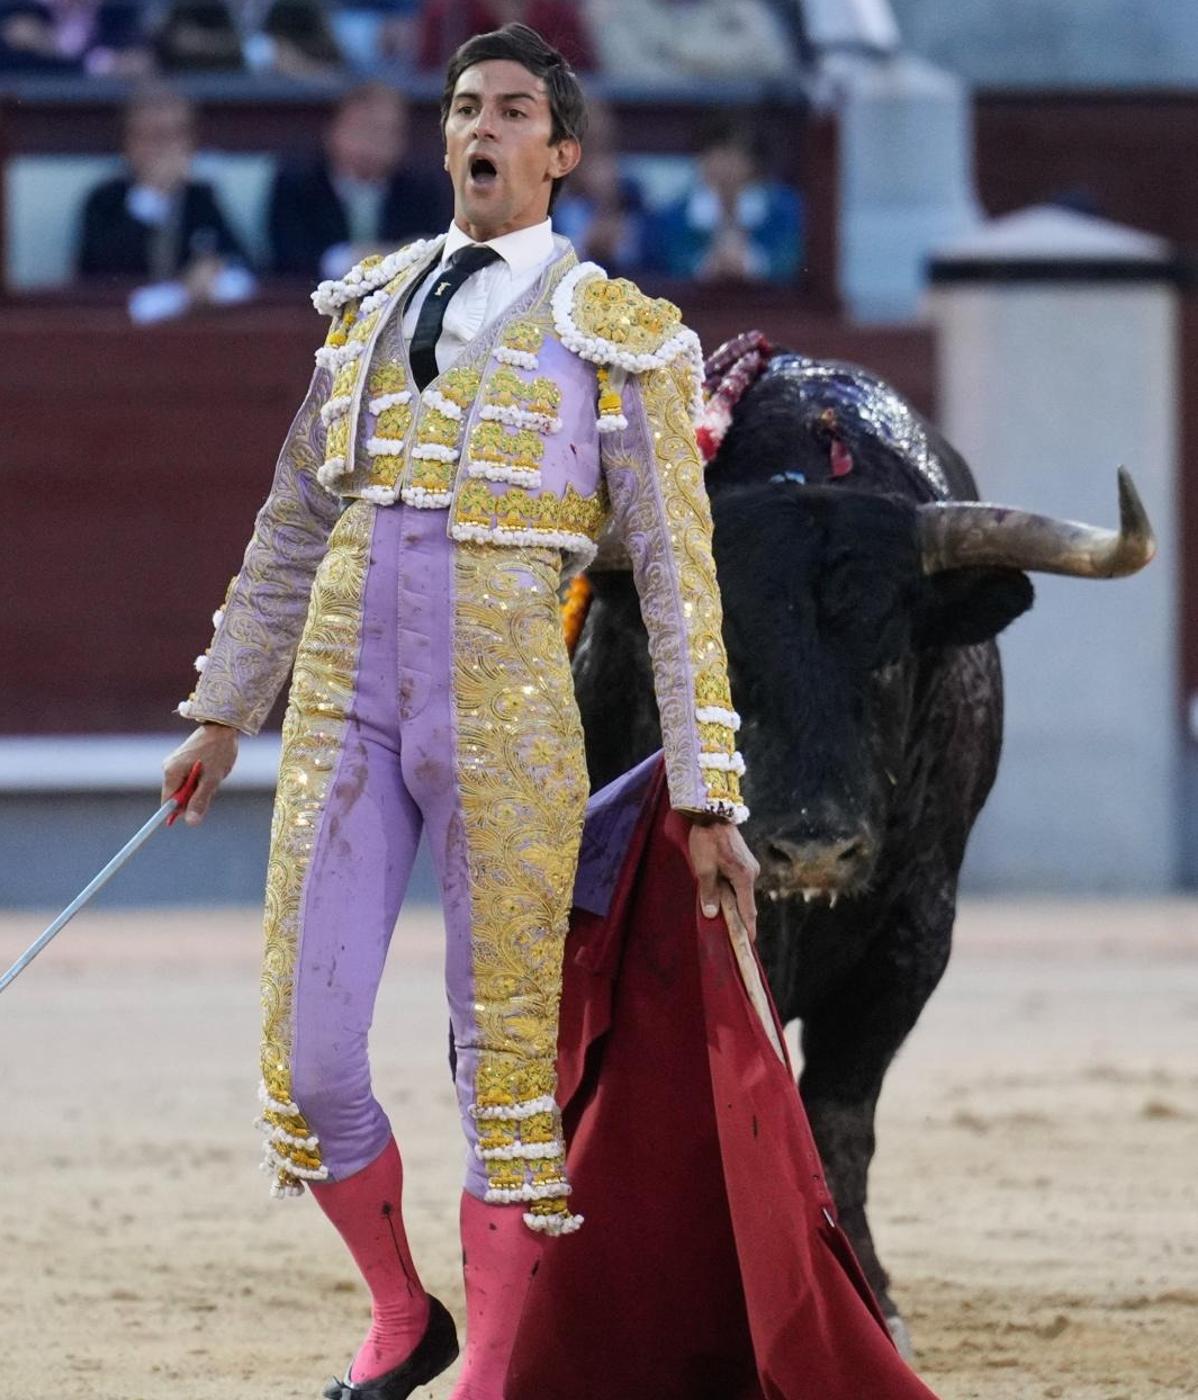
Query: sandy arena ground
[[1035, 1193]]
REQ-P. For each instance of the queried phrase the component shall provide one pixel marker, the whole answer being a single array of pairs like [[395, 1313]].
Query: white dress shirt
[[523, 256]]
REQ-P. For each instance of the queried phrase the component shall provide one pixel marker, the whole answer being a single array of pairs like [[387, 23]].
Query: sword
[[169, 812]]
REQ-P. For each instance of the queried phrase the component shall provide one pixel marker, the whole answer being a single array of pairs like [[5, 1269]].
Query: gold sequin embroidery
[[321, 693], [517, 509], [617, 310], [665, 394], [523, 786]]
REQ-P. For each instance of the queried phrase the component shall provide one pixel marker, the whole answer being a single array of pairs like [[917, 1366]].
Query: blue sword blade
[[90, 889]]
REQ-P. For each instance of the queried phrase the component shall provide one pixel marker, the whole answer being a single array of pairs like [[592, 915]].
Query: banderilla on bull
[[168, 813]]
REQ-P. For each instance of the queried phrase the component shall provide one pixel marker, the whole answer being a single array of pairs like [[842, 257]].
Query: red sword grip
[[183, 795]]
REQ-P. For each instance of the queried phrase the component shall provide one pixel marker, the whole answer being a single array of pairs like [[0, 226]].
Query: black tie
[[423, 351]]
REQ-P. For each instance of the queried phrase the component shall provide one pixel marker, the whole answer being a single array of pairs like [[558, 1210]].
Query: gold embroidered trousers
[[431, 692]]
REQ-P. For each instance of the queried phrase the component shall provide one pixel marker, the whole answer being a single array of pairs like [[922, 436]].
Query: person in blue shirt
[[735, 224]]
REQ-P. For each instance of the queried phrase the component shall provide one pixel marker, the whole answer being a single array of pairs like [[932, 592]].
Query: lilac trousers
[[431, 693]]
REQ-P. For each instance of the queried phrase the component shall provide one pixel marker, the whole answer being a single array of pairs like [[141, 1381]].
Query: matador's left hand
[[718, 851]]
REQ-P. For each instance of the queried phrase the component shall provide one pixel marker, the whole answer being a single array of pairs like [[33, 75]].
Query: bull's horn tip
[[1133, 518]]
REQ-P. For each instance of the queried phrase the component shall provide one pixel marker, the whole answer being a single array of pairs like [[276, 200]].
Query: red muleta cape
[[710, 1266]]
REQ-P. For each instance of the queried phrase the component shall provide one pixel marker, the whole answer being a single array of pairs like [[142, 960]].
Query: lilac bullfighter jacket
[[573, 408]]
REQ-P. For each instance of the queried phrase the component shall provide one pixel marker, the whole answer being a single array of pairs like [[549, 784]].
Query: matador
[[483, 407]]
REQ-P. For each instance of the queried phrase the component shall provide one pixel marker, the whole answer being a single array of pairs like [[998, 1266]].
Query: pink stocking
[[366, 1210], [499, 1256]]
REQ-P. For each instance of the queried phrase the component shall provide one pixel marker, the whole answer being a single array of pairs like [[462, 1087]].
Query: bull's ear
[[961, 607]]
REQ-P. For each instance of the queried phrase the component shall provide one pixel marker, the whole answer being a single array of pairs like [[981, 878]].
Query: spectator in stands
[[296, 40], [198, 36], [28, 43], [326, 214], [105, 36], [601, 211], [448, 23], [735, 224], [653, 41], [155, 222]]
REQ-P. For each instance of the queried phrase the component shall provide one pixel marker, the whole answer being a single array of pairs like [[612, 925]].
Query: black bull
[[861, 603]]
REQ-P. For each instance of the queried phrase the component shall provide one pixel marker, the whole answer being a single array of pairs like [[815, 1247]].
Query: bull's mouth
[[809, 894], [818, 869], [483, 172]]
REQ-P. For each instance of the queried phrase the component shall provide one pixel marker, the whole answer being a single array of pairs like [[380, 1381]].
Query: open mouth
[[483, 171]]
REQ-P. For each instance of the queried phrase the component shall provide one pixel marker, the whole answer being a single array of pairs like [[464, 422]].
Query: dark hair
[[304, 24], [519, 44], [197, 36], [723, 130]]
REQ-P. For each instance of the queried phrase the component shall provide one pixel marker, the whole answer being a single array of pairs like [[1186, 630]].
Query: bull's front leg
[[849, 1039]]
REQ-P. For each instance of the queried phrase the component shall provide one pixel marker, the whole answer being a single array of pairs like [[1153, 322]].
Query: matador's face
[[498, 149]]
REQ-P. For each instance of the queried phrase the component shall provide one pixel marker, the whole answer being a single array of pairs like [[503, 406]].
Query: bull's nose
[[831, 862]]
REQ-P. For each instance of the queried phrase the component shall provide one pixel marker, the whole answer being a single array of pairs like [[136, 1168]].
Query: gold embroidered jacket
[[575, 405]]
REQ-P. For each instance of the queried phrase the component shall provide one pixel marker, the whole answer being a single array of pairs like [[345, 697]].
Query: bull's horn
[[966, 534]]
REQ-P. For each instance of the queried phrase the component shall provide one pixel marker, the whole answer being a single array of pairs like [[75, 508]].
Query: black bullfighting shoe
[[435, 1352]]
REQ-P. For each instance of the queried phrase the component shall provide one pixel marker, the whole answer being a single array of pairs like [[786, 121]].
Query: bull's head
[[838, 605]]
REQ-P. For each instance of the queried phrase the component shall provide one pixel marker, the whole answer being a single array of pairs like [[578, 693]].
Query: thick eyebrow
[[503, 96]]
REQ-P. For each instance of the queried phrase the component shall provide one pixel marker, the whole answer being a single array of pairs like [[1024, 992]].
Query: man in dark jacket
[[326, 214], [154, 222]]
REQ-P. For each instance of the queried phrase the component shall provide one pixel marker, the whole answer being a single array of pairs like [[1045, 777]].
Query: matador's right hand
[[214, 747]]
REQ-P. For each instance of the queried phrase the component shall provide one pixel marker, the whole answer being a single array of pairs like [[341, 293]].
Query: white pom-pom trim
[[726, 762], [520, 418], [275, 1160], [553, 1224], [384, 447], [380, 495], [336, 292], [521, 1151], [374, 302], [184, 708], [334, 356], [335, 408], [521, 359], [528, 1108], [434, 452], [433, 398], [611, 422], [424, 499], [200, 662], [264, 1098], [715, 714], [529, 1191], [218, 617], [496, 471], [331, 470], [277, 1134], [385, 401], [549, 539], [600, 351]]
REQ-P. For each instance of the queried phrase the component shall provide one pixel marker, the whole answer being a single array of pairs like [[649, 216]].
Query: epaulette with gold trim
[[612, 323]]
